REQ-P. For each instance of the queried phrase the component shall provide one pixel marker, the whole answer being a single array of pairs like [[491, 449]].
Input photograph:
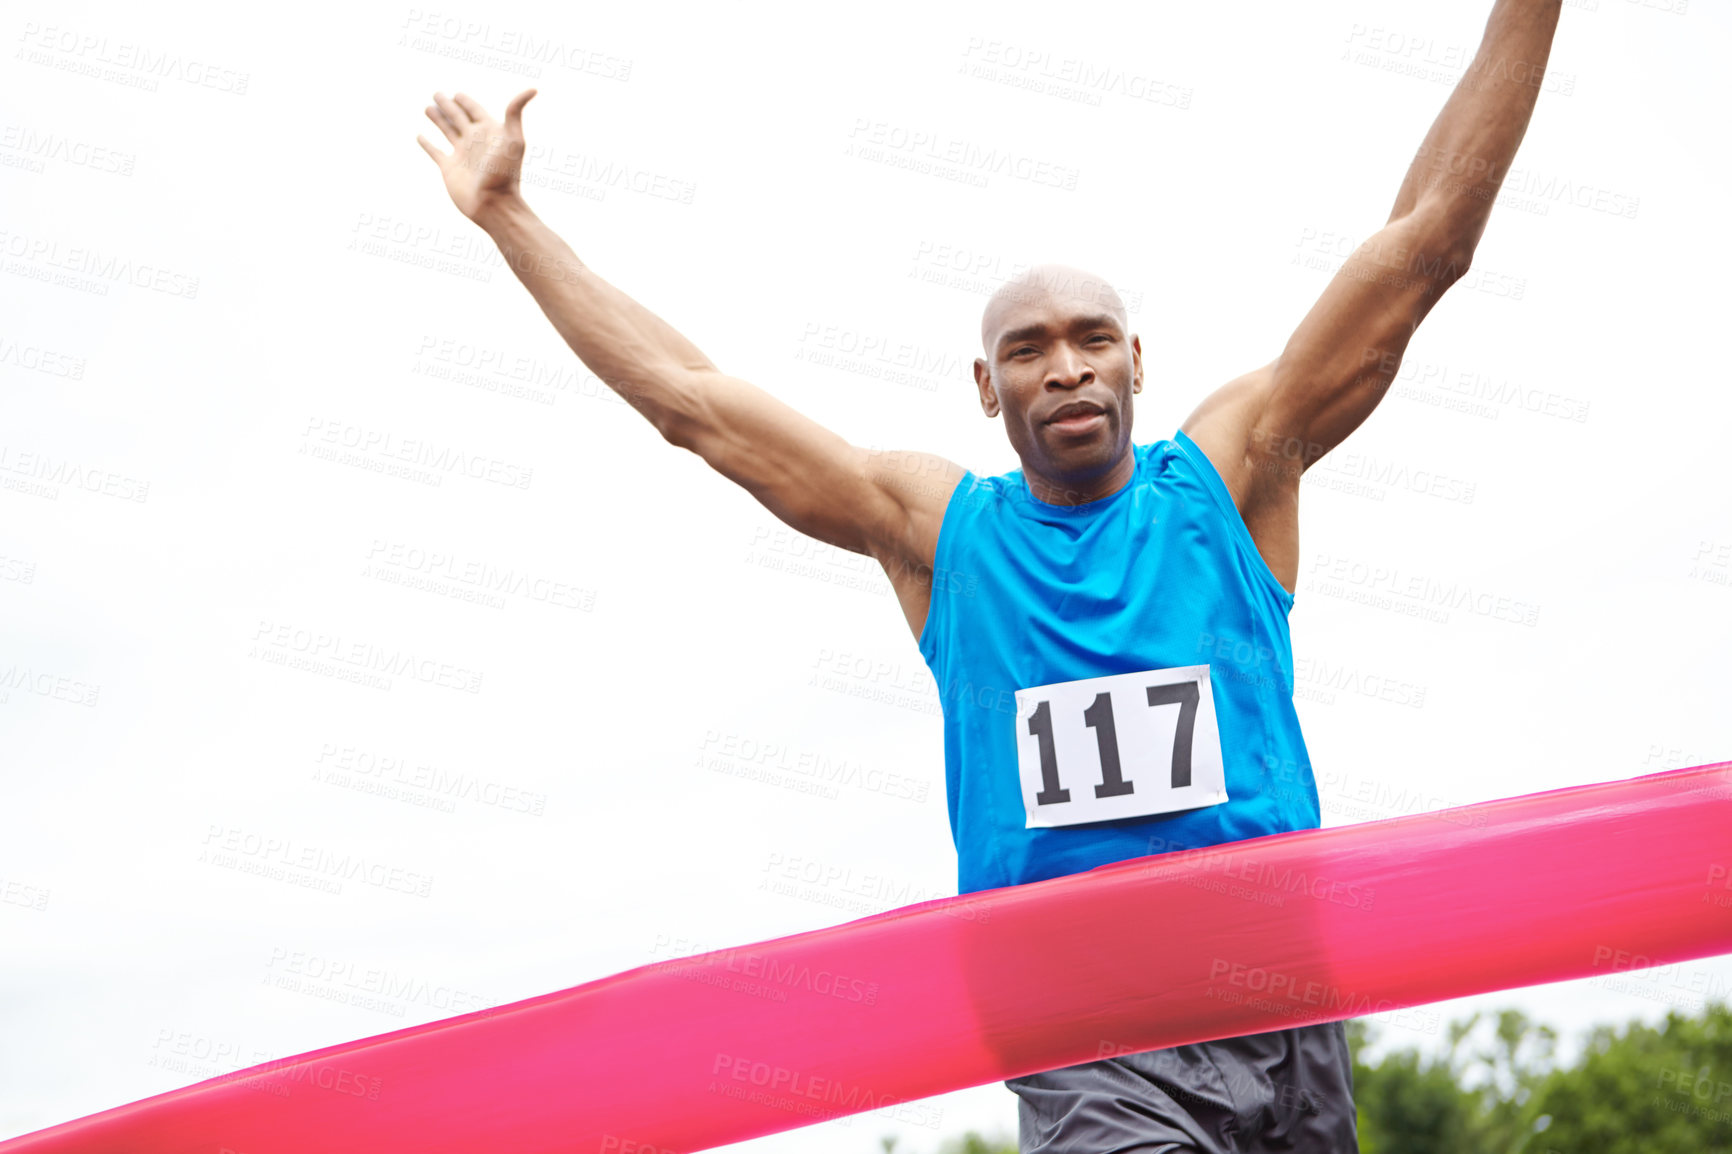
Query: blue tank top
[[1161, 574]]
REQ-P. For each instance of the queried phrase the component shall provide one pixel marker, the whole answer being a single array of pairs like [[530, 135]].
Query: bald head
[[1062, 368], [1057, 283]]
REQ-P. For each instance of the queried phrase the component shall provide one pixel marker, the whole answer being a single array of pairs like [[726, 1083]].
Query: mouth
[[1081, 417]]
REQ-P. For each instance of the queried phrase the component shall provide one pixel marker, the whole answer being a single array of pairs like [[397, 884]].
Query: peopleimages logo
[[1719, 886], [802, 1092], [1281, 993], [1261, 881], [790, 975]]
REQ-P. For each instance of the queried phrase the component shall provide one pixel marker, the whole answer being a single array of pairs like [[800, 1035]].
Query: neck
[[1072, 491]]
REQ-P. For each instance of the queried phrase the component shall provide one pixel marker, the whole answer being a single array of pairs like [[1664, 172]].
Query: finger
[[438, 157], [445, 126], [514, 112], [458, 118], [470, 106]]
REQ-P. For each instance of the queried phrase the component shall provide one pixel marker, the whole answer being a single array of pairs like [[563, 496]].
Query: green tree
[[1505, 1078], [1408, 1105], [1494, 1088], [973, 1143], [1646, 1090], [1476, 1097], [970, 1142]]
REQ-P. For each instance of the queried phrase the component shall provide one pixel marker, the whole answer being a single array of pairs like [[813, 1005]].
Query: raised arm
[[885, 504], [1264, 429]]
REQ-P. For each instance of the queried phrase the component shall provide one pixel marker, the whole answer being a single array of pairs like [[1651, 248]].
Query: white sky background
[[302, 205]]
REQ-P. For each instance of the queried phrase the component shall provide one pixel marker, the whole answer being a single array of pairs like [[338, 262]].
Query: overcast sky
[[237, 300]]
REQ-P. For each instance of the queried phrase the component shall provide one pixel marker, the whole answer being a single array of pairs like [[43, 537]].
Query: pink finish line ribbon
[[873, 1014]]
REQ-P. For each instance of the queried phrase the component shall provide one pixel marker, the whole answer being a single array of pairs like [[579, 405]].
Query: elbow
[[676, 429], [678, 416], [1458, 242], [672, 434], [1455, 262], [1441, 242], [679, 434]]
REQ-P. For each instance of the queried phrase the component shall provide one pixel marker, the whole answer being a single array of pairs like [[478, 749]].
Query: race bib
[[1125, 745]]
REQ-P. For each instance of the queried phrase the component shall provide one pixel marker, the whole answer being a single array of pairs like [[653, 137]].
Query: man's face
[[1062, 370]]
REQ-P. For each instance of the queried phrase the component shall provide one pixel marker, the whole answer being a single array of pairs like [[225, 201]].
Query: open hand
[[486, 157]]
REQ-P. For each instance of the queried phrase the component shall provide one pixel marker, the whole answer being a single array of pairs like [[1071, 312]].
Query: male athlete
[[1117, 680]]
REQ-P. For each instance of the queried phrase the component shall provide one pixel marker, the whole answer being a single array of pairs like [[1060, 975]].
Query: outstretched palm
[[486, 157]]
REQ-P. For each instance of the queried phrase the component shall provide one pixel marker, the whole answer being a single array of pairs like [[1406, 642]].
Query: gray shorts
[[1287, 1090]]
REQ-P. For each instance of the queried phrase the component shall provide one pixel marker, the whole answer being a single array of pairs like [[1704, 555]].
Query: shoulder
[[1174, 460], [1156, 454]]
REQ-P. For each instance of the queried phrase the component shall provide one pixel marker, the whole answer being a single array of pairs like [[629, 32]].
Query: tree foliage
[[1494, 1087], [970, 1142], [1647, 1090]]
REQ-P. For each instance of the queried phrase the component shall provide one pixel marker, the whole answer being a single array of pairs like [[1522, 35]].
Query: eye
[[1024, 349], [1100, 337]]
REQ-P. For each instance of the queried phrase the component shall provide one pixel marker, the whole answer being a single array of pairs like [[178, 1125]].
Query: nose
[[1068, 368]]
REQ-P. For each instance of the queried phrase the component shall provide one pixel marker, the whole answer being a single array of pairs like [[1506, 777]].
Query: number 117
[[1099, 717]]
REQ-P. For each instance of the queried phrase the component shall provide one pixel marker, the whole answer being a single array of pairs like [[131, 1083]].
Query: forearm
[[1463, 160], [633, 351]]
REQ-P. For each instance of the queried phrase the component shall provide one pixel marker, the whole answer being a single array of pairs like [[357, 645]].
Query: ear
[[983, 382], [1136, 363]]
